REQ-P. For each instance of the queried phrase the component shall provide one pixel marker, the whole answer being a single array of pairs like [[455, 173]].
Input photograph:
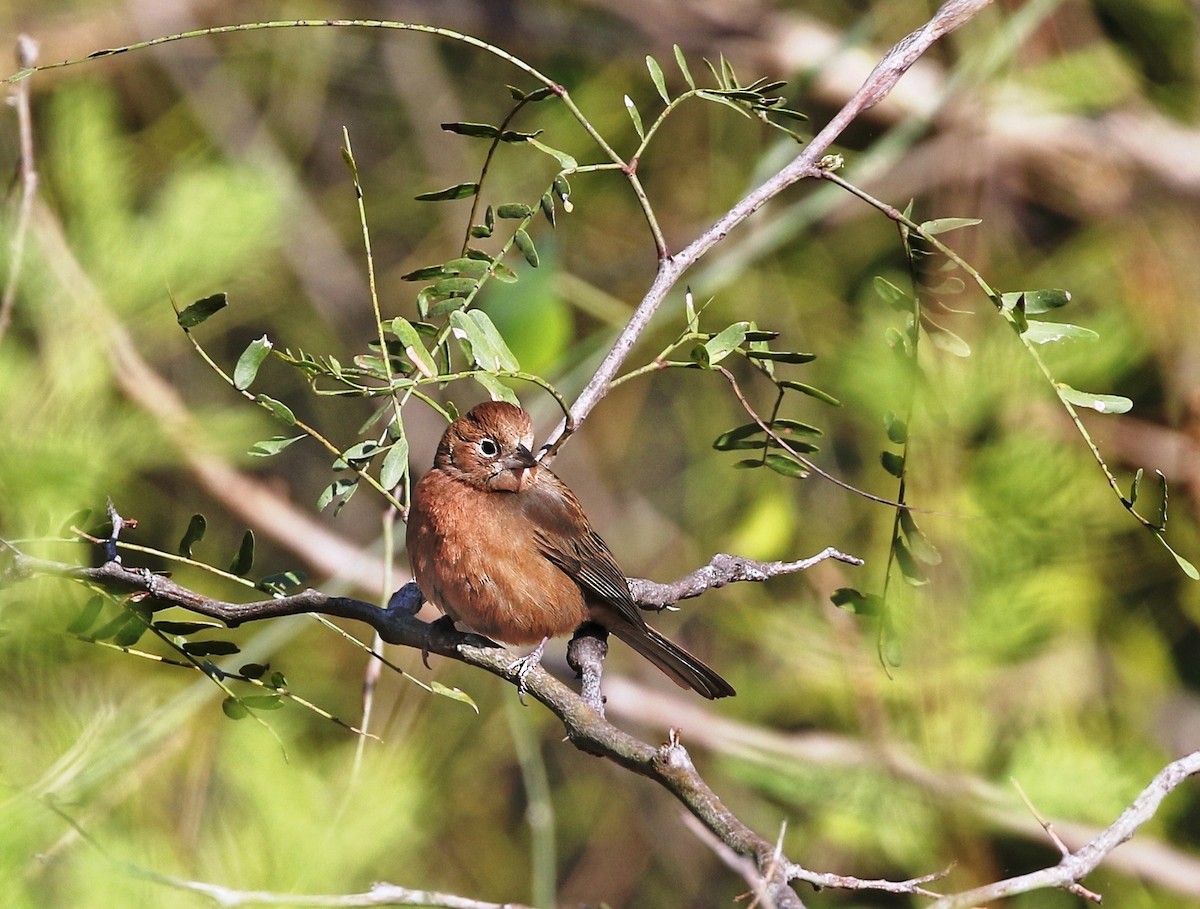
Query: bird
[[502, 546]]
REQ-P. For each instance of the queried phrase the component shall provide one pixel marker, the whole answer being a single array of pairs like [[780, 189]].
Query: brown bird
[[502, 546]]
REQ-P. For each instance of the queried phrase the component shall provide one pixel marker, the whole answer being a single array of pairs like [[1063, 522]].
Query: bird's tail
[[684, 670]]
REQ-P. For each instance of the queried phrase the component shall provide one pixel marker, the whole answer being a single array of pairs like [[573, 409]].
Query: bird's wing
[[566, 539]]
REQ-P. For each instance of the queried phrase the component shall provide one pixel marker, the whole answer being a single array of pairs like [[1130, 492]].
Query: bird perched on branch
[[502, 546]]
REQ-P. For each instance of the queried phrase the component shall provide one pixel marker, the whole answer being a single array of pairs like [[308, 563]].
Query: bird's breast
[[476, 556]]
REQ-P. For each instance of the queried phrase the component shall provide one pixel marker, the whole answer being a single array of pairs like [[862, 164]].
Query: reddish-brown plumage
[[502, 546]]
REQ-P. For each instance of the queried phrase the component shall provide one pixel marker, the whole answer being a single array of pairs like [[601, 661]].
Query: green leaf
[[635, 117], [167, 627], [414, 347], [722, 344], [455, 694], [1036, 302], [1048, 332], [656, 76], [525, 244], [749, 464], [787, 466], [361, 451], [395, 464], [131, 632], [247, 365], [234, 708], [857, 602], [210, 648], [945, 225], [516, 136], [272, 446], [193, 315], [513, 211], [1187, 567], [810, 391], [343, 486], [1098, 403], [893, 463], [496, 389], [781, 356], [244, 560], [681, 62], [1136, 487], [475, 130], [280, 410], [547, 206], [484, 344], [193, 535], [87, 617], [457, 191], [1162, 501], [565, 161]]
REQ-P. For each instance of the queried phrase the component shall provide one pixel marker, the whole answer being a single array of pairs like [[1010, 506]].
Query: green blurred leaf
[[193, 535], [1049, 332], [857, 602], [263, 701], [1187, 567], [893, 295], [244, 560], [249, 362], [897, 429], [565, 161], [87, 617], [1035, 302], [945, 225], [918, 543], [1135, 488], [892, 462], [909, 569], [284, 582], [254, 670], [1098, 403], [234, 708]]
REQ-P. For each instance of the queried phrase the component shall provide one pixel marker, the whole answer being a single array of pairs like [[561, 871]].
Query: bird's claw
[[524, 666]]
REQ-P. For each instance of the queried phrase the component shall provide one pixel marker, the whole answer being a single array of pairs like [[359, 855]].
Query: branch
[[883, 78], [669, 765], [1077, 865], [27, 51]]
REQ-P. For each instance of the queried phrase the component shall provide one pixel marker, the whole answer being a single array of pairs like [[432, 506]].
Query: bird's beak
[[524, 465]]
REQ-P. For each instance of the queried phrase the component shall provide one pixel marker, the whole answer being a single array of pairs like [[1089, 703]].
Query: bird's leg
[[526, 665]]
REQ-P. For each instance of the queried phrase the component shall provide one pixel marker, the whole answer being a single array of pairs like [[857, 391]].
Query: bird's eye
[[488, 448]]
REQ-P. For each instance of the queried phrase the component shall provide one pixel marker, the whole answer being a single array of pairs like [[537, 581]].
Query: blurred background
[[1056, 644]]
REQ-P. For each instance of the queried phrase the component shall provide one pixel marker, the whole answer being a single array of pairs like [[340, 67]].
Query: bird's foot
[[526, 665]]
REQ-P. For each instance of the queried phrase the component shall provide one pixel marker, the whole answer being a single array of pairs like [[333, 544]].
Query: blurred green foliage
[[1056, 643]]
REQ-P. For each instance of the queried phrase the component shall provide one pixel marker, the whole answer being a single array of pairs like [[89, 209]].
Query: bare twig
[[1079, 864], [724, 569], [895, 63], [27, 52]]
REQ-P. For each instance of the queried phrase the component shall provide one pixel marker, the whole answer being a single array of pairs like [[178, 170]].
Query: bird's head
[[488, 447]]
